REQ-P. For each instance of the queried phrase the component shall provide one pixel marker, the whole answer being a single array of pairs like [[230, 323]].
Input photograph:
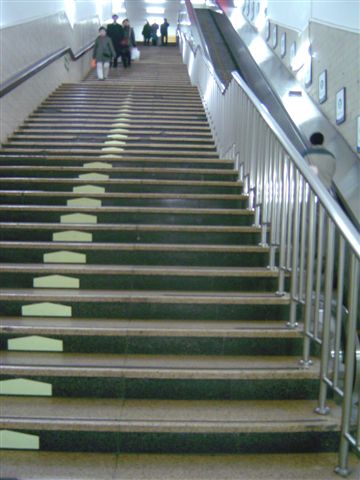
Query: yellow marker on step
[[72, 236], [10, 439], [97, 165], [46, 309], [88, 189], [84, 202], [35, 343], [78, 218], [56, 281], [94, 176], [64, 256], [25, 387]]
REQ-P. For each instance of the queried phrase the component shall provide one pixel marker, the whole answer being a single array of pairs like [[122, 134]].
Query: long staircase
[[138, 314]]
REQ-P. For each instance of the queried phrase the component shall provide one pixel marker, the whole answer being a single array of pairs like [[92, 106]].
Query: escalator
[[229, 49]]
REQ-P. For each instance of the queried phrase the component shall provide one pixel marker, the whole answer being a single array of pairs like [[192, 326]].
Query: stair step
[[59, 198], [170, 425], [67, 170], [139, 233], [124, 185], [144, 328], [123, 214], [140, 253], [178, 367], [166, 337], [114, 161], [297, 466], [153, 277]]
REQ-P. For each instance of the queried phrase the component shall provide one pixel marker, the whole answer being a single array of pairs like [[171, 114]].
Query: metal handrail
[[305, 220], [39, 65]]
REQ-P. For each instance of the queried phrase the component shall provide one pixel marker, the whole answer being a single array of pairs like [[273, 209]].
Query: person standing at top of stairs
[[164, 32], [103, 53], [115, 31]]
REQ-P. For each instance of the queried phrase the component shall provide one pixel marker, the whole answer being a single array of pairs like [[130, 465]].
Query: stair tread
[[123, 181], [133, 296], [82, 169], [137, 195], [139, 270], [294, 466], [168, 415], [156, 366], [129, 226], [95, 210], [135, 246], [131, 327]]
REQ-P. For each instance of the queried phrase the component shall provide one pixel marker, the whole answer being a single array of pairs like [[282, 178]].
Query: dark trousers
[[126, 56], [164, 39], [118, 53], [146, 40]]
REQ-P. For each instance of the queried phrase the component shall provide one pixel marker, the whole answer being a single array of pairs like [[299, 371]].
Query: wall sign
[[340, 106], [323, 86], [274, 36], [283, 45], [308, 73], [268, 26], [292, 52]]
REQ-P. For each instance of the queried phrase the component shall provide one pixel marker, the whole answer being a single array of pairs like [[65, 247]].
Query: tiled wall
[[338, 52], [23, 45]]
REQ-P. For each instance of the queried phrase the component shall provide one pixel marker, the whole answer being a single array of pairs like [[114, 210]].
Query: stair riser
[[151, 163], [148, 257], [148, 282], [146, 310], [133, 187], [200, 443], [174, 389], [123, 202], [208, 238], [226, 177], [92, 153], [148, 218], [148, 345]]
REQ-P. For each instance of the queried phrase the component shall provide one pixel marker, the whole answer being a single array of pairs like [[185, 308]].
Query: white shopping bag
[[135, 54]]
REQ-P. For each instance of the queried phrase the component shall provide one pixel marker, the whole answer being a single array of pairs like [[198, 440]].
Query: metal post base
[[306, 364], [343, 472], [322, 411], [292, 325]]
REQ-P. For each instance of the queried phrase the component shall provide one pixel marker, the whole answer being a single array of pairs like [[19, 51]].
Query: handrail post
[[306, 362], [343, 467], [295, 254], [322, 409]]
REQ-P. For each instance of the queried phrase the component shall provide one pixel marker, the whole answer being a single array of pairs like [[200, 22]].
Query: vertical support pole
[[309, 280], [283, 218], [343, 468], [295, 252], [304, 228], [322, 409], [339, 309]]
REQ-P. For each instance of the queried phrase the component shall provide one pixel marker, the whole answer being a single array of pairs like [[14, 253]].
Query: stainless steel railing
[[310, 238]]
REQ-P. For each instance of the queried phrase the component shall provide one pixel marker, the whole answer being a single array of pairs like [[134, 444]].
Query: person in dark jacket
[[154, 29], [146, 32], [115, 32], [103, 53], [164, 32], [127, 41]]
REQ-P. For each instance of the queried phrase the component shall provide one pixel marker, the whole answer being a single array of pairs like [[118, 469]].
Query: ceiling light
[[158, 2], [155, 10]]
